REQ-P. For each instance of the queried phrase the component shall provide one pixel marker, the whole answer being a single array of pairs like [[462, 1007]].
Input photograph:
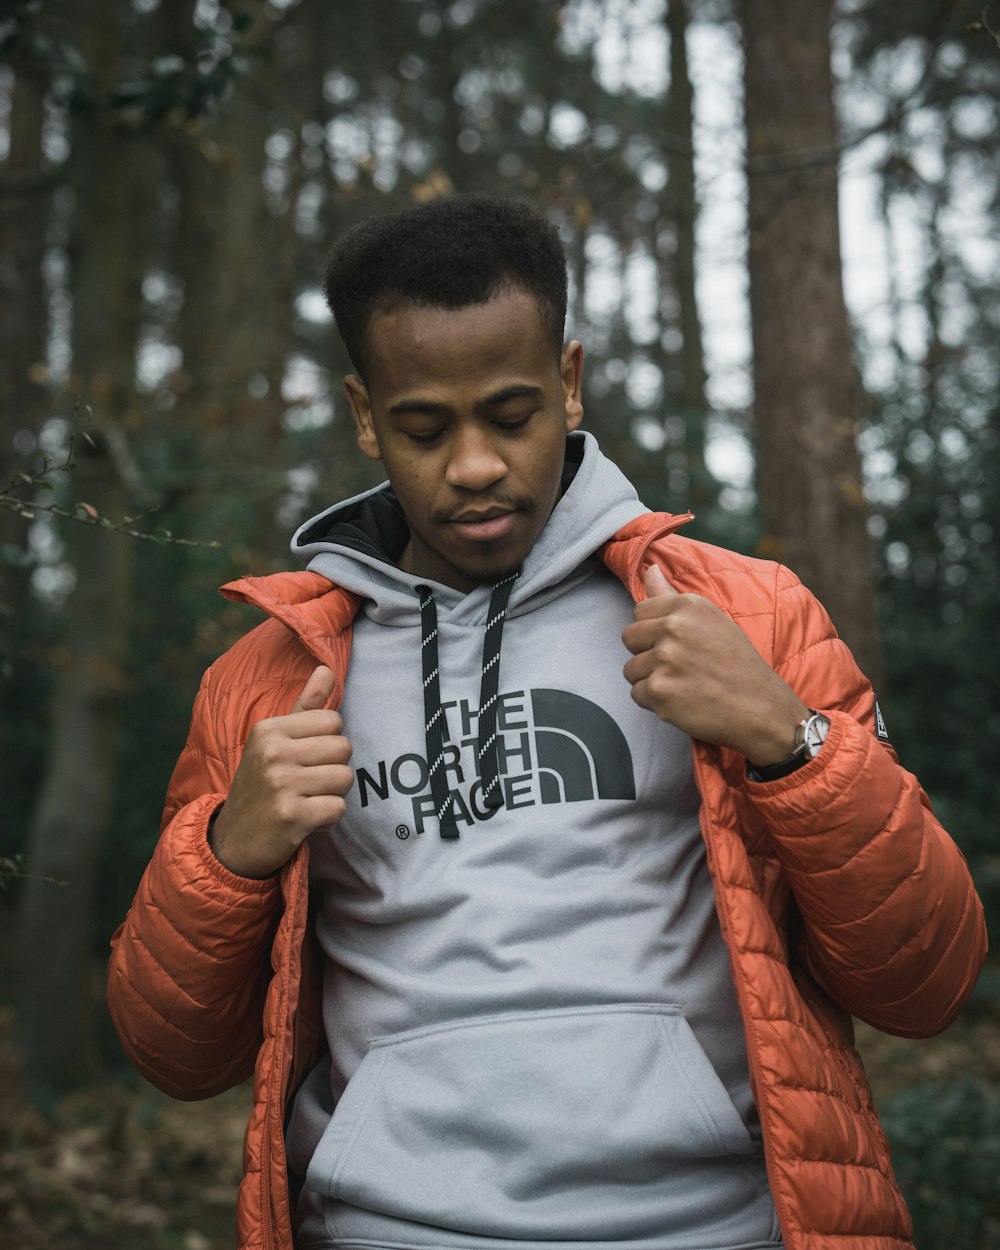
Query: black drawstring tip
[[494, 799], [449, 829]]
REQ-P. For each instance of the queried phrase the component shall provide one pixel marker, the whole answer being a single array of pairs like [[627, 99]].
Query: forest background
[[783, 225]]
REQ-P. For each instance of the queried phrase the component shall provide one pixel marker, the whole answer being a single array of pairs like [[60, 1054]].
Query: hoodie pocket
[[577, 1123]]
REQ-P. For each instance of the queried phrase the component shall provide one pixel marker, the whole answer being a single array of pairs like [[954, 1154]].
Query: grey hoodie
[[533, 1034]]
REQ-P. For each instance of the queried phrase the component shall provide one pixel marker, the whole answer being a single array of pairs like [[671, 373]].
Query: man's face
[[469, 410]]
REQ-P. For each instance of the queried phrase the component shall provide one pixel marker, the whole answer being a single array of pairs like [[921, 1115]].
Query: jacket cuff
[[824, 813], [797, 795], [200, 814]]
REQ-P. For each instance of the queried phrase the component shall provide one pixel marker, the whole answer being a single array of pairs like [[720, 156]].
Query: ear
[[361, 407], [571, 372]]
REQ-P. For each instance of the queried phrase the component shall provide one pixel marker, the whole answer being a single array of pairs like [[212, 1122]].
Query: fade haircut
[[448, 253]]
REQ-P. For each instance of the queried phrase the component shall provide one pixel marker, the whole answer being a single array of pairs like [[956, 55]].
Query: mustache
[[513, 503]]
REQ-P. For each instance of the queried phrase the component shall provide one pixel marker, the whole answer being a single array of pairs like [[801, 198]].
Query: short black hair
[[447, 253]]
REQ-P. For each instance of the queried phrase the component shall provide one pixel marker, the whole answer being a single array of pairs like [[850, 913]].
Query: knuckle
[[268, 754], [286, 808], [268, 746], [663, 651]]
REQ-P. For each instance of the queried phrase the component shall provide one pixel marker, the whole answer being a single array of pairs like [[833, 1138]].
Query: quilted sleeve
[[893, 927], [191, 962]]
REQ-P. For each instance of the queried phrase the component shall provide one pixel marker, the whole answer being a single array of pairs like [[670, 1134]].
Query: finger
[[656, 583], [331, 780], [643, 634], [323, 810], [316, 724], [641, 695], [639, 667], [314, 739], [317, 691]]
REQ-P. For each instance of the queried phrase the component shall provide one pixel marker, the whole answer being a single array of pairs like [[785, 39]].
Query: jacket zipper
[[276, 1082], [753, 1059]]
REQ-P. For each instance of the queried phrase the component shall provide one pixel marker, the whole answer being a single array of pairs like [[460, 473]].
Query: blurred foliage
[[946, 1155], [932, 431], [150, 91]]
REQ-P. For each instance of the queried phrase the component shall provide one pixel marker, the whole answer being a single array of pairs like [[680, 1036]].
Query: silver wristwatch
[[810, 734]]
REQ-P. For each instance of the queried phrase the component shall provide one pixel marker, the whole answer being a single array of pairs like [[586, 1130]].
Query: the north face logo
[[582, 754], [553, 747]]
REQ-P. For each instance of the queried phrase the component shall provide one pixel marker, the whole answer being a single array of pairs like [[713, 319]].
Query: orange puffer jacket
[[838, 893]]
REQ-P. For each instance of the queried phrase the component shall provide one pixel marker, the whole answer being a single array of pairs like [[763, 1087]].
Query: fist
[[291, 780], [693, 666]]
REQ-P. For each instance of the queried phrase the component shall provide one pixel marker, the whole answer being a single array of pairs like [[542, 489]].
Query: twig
[[984, 25], [13, 869], [85, 513]]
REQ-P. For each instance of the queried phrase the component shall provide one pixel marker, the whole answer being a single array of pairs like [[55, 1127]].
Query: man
[[564, 979]]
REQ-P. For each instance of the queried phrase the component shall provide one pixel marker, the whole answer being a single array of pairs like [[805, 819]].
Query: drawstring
[[488, 755], [434, 714]]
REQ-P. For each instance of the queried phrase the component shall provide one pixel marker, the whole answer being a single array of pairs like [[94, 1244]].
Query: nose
[[474, 462]]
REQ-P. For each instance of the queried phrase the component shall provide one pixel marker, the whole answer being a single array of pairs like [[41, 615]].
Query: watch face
[[817, 727]]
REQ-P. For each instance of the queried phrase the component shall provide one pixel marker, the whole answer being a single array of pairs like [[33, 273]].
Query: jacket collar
[[319, 611], [629, 554]]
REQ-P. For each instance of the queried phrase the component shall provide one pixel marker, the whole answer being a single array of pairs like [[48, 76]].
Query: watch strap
[[774, 772], [804, 751]]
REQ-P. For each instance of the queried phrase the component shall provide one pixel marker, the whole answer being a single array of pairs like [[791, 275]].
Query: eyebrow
[[433, 408]]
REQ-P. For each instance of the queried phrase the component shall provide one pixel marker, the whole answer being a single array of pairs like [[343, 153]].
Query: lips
[[485, 526]]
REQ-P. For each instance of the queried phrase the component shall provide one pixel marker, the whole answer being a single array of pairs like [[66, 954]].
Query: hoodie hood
[[356, 543]]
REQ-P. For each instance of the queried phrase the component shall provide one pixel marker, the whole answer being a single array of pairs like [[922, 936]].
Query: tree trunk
[[683, 205], [56, 1015], [806, 386], [55, 924], [24, 204], [236, 264]]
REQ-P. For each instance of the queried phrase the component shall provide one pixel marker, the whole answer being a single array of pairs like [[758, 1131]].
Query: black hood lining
[[378, 527]]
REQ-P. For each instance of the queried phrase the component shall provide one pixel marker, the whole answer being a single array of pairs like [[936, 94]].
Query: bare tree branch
[[13, 869], [984, 25], [21, 494]]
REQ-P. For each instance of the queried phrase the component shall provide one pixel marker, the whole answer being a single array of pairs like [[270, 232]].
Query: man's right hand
[[291, 781]]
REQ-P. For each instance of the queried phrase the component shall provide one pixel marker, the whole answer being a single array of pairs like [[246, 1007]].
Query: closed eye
[[423, 440], [516, 424], [429, 438]]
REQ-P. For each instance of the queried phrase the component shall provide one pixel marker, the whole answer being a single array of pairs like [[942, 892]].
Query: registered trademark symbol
[[402, 832]]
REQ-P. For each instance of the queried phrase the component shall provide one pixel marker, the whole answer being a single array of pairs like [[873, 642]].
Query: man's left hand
[[693, 666]]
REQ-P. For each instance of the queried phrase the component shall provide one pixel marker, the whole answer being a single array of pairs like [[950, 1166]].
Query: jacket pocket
[[578, 1123]]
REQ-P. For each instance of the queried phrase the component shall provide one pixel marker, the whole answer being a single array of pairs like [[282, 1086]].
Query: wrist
[[212, 834], [238, 865], [809, 735], [776, 741]]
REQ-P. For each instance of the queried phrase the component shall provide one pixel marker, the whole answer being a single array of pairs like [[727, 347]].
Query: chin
[[488, 571]]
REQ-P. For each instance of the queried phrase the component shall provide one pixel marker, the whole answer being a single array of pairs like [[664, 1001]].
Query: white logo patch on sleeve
[[880, 730]]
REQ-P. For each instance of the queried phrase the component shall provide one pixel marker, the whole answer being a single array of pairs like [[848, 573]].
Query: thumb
[[656, 584], [317, 691]]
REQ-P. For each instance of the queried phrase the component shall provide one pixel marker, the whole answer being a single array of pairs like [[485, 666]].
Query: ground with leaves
[[121, 1168], [118, 1167]]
